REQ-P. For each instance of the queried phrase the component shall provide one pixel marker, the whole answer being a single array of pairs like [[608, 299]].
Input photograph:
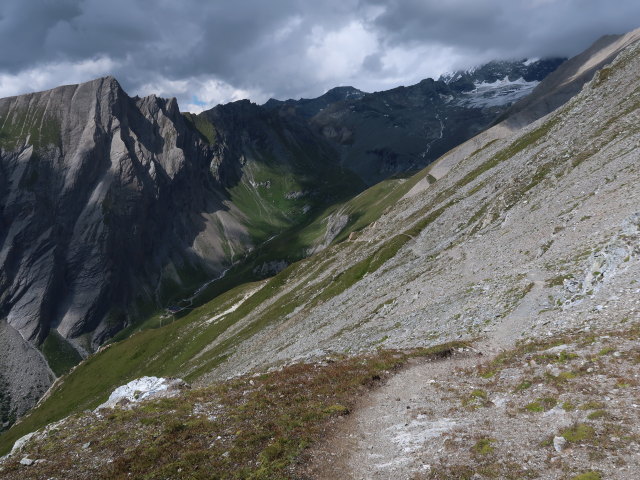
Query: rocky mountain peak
[[113, 150]]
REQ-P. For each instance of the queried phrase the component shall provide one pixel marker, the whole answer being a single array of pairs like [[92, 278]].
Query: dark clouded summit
[[210, 52]]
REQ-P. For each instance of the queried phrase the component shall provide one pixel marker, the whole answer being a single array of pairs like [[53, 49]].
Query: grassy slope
[[60, 355], [261, 426], [249, 427]]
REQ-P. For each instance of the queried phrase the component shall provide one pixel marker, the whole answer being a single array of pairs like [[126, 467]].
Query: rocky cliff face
[[92, 181], [104, 199]]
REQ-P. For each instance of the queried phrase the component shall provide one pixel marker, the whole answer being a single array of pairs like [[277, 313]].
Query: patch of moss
[[597, 414], [561, 378], [442, 350], [592, 405], [525, 384], [606, 351], [578, 433], [477, 398], [337, 410], [542, 404], [558, 281], [484, 446], [591, 475]]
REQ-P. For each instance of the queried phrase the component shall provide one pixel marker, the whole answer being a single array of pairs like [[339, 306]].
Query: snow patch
[[498, 93]]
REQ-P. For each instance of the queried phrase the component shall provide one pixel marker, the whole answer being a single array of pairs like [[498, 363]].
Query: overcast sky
[[206, 52]]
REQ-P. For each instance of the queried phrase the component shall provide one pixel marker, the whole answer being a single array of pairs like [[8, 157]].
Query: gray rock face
[[90, 177], [24, 375], [91, 181]]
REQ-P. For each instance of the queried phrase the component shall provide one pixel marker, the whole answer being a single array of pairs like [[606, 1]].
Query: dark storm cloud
[[515, 27], [209, 51]]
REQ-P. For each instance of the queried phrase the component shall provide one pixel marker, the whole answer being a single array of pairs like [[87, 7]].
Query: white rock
[[559, 443], [21, 442], [27, 461], [141, 389]]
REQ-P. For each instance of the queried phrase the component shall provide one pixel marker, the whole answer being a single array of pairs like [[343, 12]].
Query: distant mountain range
[[404, 129]]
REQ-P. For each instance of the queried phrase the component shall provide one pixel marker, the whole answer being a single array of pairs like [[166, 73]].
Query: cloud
[[512, 28], [217, 51], [203, 93], [50, 75], [340, 53]]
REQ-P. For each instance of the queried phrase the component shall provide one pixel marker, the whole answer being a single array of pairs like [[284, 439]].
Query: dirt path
[[383, 437]]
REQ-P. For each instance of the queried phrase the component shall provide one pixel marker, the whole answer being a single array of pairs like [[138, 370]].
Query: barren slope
[[558, 199]]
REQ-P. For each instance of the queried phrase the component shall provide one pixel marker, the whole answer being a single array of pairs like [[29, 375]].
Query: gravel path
[[382, 439]]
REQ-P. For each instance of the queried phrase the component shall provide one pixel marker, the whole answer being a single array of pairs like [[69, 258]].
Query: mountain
[[546, 214], [309, 107], [531, 234], [521, 231], [404, 129], [113, 206], [91, 179]]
